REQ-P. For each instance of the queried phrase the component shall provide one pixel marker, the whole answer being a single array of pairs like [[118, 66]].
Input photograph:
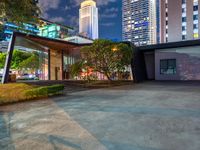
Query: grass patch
[[16, 92]]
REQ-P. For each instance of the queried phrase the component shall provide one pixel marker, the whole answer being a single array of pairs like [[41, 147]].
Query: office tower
[[179, 20], [139, 21], [158, 21], [88, 19]]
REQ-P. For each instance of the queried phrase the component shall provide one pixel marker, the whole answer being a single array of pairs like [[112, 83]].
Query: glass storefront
[[43, 65], [69, 58], [30, 64]]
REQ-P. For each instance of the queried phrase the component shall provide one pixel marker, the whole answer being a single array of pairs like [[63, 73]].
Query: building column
[[49, 64], [62, 65], [8, 60]]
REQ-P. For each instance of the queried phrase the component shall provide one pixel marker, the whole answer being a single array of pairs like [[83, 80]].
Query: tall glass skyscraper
[[139, 21], [88, 19]]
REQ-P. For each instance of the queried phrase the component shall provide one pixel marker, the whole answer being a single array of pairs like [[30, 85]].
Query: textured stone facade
[[187, 63], [56, 64]]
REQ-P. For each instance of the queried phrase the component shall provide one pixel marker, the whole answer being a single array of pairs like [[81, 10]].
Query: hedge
[[44, 91], [16, 92]]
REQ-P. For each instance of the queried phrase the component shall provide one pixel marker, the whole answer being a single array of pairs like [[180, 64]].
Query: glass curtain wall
[[43, 65], [69, 58], [29, 64]]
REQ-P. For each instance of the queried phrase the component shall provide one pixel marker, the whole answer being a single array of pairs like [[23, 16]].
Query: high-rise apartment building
[[179, 20], [88, 19], [140, 21]]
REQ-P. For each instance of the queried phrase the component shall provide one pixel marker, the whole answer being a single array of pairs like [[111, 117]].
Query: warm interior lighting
[[114, 49], [196, 35]]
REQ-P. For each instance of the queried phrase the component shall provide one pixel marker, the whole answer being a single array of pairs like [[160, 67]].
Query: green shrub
[[15, 92], [36, 93], [44, 91], [55, 89]]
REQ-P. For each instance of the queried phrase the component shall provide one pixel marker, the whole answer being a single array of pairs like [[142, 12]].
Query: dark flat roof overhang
[[170, 45]]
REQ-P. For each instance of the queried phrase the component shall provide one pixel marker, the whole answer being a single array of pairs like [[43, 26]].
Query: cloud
[[105, 2], [108, 24], [57, 19], [67, 8], [47, 5], [73, 21], [109, 13], [111, 10]]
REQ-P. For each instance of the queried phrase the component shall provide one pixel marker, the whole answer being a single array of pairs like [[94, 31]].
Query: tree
[[106, 57], [19, 11], [76, 68], [31, 62], [21, 60], [2, 60], [18, 57]]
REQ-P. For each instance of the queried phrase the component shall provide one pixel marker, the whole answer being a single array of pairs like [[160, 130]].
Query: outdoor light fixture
[[114, 49]]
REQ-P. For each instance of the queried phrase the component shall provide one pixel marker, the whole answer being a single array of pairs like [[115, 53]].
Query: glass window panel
[[168, 66], [163, 64]]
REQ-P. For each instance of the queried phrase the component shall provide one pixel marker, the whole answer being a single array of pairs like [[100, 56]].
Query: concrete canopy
[[33, 41], [37, 43]]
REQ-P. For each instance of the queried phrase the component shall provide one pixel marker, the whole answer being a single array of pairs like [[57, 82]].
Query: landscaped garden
[[16, 92], [103, 57]]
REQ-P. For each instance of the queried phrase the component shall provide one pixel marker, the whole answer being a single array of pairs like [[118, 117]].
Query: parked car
[[27, 76]]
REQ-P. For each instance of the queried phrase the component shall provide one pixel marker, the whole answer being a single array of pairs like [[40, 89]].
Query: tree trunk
[[109, 78]]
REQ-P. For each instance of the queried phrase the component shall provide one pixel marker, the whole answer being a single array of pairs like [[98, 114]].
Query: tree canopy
[[104, 56], [21, 60], [18, 11], [31, 62], [2, 60], [18, 57]]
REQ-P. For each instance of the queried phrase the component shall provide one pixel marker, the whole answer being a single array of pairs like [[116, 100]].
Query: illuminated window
[[196, 35]]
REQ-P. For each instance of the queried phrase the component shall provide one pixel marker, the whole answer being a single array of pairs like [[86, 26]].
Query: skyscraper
[[180, 20], [139, 21], [88, 19]]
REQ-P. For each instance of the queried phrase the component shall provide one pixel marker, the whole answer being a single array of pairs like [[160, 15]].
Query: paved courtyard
[[147, 116]]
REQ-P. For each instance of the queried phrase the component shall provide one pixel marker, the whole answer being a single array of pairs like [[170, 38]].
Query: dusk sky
[[67, 12]]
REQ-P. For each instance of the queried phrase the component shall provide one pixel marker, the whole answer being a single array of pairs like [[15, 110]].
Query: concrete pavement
[[147, 116]]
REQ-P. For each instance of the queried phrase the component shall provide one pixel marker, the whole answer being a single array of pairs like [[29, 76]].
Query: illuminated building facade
[[88, 19], [54, 30], [9, 28], [79, 39], [180, 20], [139, 21]]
